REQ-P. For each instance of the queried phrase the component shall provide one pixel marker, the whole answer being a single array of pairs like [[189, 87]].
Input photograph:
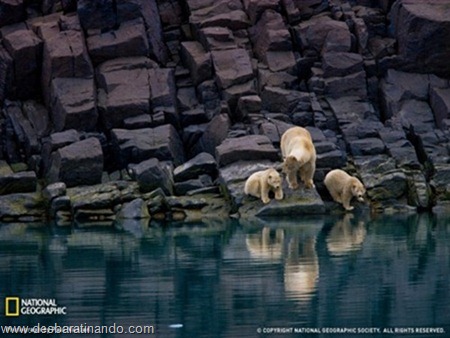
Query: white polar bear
[[299, 155], [344, 187], [261, 182]]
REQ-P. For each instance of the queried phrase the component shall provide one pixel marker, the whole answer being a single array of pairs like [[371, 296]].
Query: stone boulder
[[202, 164], [338, 64], [80, 163], [212, 135], [271, 39], [279, 100], [163, 89], [73, 104], [134, 146], [440, 103], [152, 174], [422, 30], [220, 13], [124, 90], [22, 207], [197, 60], [136, 209], [25, 48], [26, 136], [21, 182], [232, 67], [11, 11], [129, 39], [251, 147], [64, 55], [322, 33]]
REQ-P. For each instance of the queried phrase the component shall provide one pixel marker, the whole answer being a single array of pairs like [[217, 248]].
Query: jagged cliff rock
[[90, 90]]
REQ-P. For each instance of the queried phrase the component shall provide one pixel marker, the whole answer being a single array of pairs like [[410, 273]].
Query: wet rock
[[383, 181], [80, 163], [21, 182], [183, 188], [421, 30], [197, 208], [202, 164], [419, 191], [73, 104], [25, 48], [54, 190], [251, 147], [130, 39], [136, 209], [232, 67], [152, 174], [134, 146], [197, 60], [22, 207]]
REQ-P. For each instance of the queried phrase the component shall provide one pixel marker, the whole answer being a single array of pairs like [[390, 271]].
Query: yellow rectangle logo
[[12, 306]]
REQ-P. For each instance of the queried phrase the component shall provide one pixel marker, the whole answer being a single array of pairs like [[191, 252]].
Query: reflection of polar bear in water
[[301, 265], [266, 245], [301, 269], [345, 237]]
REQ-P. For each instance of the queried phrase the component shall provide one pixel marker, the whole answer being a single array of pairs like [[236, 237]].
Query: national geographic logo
[[15, 306]]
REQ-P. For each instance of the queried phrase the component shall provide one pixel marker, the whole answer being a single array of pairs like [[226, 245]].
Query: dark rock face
[[134, 146], [191, 89], [421, 30], [80, 163], [152, 174]]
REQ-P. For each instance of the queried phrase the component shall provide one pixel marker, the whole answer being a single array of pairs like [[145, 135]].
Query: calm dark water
[[229, 279]]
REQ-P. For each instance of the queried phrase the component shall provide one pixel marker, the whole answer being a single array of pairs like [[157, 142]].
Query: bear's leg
[[346, 203], [279, 193], [336, 196], [307, 174], [264, 193], [292, 179]]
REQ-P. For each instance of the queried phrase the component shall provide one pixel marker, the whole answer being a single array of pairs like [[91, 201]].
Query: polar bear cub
[[299, 156], [344, 187], [261, 182]]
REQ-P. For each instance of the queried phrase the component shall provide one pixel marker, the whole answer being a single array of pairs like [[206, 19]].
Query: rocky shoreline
[[135, 109]]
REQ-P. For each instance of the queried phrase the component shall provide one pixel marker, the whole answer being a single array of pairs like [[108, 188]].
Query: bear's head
[[290, 164], [274, 179], [358, 190]]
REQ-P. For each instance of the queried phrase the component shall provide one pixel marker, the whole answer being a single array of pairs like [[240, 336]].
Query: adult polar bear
[[299, 156]]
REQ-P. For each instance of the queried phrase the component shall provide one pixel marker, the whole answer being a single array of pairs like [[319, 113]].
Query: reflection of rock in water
[[267, 245], [301, 269], [345, 237]]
